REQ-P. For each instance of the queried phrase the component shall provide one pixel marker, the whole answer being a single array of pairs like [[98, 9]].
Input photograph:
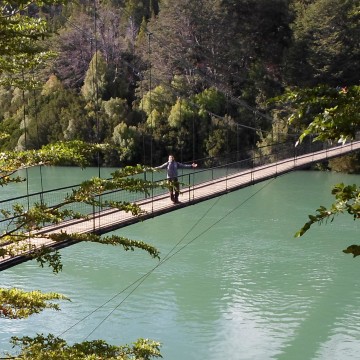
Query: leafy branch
[[331, 114], [18, 304], [347, 200], [55, 348]]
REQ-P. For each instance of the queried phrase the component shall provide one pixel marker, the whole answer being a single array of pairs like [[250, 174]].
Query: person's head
[[171, 158]]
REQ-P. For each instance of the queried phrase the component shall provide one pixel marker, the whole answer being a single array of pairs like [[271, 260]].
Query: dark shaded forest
[[191, 78]]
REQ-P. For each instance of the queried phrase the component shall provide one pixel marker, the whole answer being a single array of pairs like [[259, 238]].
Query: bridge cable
[[38, 145], [25, 143], [95, 98], [151, 120], [145, 276], [170, 255], [142, 278], [167, 257]]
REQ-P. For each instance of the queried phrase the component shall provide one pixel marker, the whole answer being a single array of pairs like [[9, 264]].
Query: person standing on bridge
[[172, 167]]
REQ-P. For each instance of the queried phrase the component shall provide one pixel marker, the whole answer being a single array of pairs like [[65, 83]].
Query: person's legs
[[176, 190], [171, 189]]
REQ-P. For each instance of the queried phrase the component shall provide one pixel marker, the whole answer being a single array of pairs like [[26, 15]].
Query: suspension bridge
[[197, 186]]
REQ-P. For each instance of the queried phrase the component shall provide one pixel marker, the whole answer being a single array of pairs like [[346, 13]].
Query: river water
[[233, 283]]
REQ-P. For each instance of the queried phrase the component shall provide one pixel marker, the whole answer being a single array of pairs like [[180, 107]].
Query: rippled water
[[233, 282]]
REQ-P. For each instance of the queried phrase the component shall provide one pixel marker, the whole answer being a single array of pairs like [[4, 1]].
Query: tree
[[326, 112], [127, 139], [138, 10], [181, 114], [20, 54], [325, 47], [15, 303], [21, 35], [235, 47], [20, 46], [217, 42], [217, 142], [74, 48], [329, 114], [95, 79], [102, 28]]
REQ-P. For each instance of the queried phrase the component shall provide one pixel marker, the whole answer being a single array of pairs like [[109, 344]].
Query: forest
[[191, 78]]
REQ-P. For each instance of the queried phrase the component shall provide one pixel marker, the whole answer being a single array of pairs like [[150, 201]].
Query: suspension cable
[[95, 72], [38, 145], [96, 85], [25, 145], [139, 280], [167, 257], [171, 253], [151, 120]]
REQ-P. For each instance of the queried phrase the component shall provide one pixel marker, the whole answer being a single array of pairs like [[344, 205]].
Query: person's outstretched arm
[[163, 166], [181, 165]]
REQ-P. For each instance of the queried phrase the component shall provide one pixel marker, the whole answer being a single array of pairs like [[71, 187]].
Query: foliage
[[21, 55], [205, 55], [15, 303], [95, 79], [329, 113], [347, 200], [325, 47], [126, 138], [73, 46], [139, 10], [181, 113], [202, 52], [158, 99], [196, 47], [116, 109], [18, 304], [214, 43], [70, 153], [57, 116], [20, 38], [32, 220], [216, 144], [53, 348], [210, 100]]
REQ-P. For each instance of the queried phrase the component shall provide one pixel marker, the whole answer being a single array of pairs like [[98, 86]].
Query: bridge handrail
[[201, 160], [256, 157]]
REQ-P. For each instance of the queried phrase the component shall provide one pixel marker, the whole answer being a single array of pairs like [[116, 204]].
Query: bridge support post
[[189, 188], [94, 220]]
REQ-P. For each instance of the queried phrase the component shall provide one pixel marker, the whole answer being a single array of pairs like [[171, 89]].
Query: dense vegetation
[[188, 77]]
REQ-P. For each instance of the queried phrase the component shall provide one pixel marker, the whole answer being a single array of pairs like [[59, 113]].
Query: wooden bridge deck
[[109, 220]]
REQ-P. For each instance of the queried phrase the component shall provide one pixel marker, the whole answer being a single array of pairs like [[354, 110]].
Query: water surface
[[233, 282]]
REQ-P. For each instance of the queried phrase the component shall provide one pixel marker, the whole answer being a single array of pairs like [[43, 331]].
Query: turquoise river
[[232, 283]]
